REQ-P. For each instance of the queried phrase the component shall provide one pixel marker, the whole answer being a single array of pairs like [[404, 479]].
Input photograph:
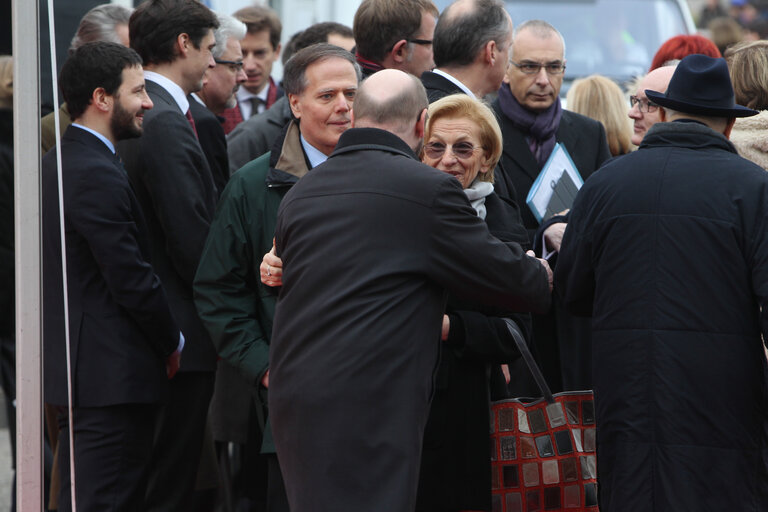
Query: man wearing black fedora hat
[[667, 250]]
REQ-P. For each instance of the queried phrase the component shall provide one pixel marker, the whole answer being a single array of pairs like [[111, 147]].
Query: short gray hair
[[99, 24], [229, 27], [541, 29], [294, 77]]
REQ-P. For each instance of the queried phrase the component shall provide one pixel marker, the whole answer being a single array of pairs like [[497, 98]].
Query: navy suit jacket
[[174, 185], [121, 328]]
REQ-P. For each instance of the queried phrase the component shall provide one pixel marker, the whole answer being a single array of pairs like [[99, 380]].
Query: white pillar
[[26, 148]]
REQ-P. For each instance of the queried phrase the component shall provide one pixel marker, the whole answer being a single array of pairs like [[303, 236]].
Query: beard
[[123, 123]]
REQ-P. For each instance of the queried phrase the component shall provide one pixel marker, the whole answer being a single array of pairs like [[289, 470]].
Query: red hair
[[677, 47]]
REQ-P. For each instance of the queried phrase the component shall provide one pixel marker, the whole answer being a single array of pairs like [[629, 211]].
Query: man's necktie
[[191, 122], [256, 102]]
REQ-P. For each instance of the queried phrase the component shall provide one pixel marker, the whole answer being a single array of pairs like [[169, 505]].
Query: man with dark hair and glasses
[[644, 113], [395, 34], [532, 120]]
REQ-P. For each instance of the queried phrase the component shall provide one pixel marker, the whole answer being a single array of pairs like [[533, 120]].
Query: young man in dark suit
[[175, 187], [125, 343]]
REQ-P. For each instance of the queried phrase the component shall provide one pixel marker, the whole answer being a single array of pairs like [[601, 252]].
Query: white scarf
[[476, 193]]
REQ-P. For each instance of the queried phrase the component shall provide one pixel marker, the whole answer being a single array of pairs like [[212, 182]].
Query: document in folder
[[556, 186]]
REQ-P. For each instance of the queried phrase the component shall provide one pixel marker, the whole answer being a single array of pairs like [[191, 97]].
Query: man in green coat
[[320, 82]]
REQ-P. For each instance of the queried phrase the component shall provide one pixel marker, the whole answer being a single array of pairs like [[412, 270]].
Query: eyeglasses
[[235, 66], [533, 68], [643, 105], [462, 150], [425, 42]]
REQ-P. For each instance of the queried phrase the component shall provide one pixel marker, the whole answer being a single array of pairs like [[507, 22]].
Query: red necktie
[[191, 122]]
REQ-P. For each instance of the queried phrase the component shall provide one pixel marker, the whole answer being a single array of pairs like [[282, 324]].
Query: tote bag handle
[[522, 346]]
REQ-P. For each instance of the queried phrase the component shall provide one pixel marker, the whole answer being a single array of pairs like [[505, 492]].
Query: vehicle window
[[615, 38]]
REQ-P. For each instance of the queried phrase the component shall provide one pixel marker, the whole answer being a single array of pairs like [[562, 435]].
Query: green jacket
[[236, 308]]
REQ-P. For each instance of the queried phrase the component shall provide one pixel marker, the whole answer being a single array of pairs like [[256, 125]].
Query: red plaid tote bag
[[543, 451]]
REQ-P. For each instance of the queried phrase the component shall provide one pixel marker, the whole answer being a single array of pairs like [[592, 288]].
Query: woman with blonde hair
[[748, 64], [463, 138], [601, 99]]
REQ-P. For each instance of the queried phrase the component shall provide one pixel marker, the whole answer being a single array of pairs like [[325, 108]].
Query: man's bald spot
[[658, 79], [389, 97], [458, 8]]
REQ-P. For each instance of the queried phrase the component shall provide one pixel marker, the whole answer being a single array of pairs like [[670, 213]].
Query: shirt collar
[[315, 156], [455, 81], [101, 137], [198, 99], [171, 87], [243, 94]]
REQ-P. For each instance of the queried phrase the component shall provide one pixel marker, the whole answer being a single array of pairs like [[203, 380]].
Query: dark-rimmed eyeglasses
[[643, 105], [235, 66], [462, 150], [533, 68], [424, 42]]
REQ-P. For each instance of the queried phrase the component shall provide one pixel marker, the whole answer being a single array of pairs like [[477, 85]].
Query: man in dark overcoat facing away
[[370, 241], [124, 341], [667, 249]]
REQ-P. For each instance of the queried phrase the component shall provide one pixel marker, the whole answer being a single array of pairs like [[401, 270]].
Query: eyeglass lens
[[461, 150], [642, 104]]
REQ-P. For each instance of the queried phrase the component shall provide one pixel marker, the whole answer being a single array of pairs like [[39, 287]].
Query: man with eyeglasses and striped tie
[[532, 120]]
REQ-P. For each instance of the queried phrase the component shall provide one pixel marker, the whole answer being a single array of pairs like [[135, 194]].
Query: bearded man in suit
[[125, 342]]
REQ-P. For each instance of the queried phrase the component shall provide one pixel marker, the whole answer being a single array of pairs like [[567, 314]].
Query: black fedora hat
[[701, 85]]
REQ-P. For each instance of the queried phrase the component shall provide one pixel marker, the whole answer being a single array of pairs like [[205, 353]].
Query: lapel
[[566, 135], [158, 94]]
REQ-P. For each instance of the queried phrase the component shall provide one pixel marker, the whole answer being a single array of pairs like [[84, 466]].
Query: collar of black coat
[[685, 133], [359, 139], [287, 161]]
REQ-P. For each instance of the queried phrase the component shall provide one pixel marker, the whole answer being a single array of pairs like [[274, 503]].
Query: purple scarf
[[539, 127]]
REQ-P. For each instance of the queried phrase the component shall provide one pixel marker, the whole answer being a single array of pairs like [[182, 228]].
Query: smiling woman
[[463, 138]]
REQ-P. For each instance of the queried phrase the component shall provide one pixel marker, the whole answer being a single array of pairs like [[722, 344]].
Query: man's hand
[[544, 264], [172, 363], [271, 268], [553, 236], [265, 380]]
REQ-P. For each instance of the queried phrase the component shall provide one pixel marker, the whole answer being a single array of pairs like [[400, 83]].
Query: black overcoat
[[667, 247], [455, 473], [370, 241]]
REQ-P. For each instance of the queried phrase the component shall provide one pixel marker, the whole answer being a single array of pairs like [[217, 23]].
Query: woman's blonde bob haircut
[[748, 64], [461, 106], [601, 99]]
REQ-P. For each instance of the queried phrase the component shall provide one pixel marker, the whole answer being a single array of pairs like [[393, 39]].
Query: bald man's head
[[390, 99], [656, 80]]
